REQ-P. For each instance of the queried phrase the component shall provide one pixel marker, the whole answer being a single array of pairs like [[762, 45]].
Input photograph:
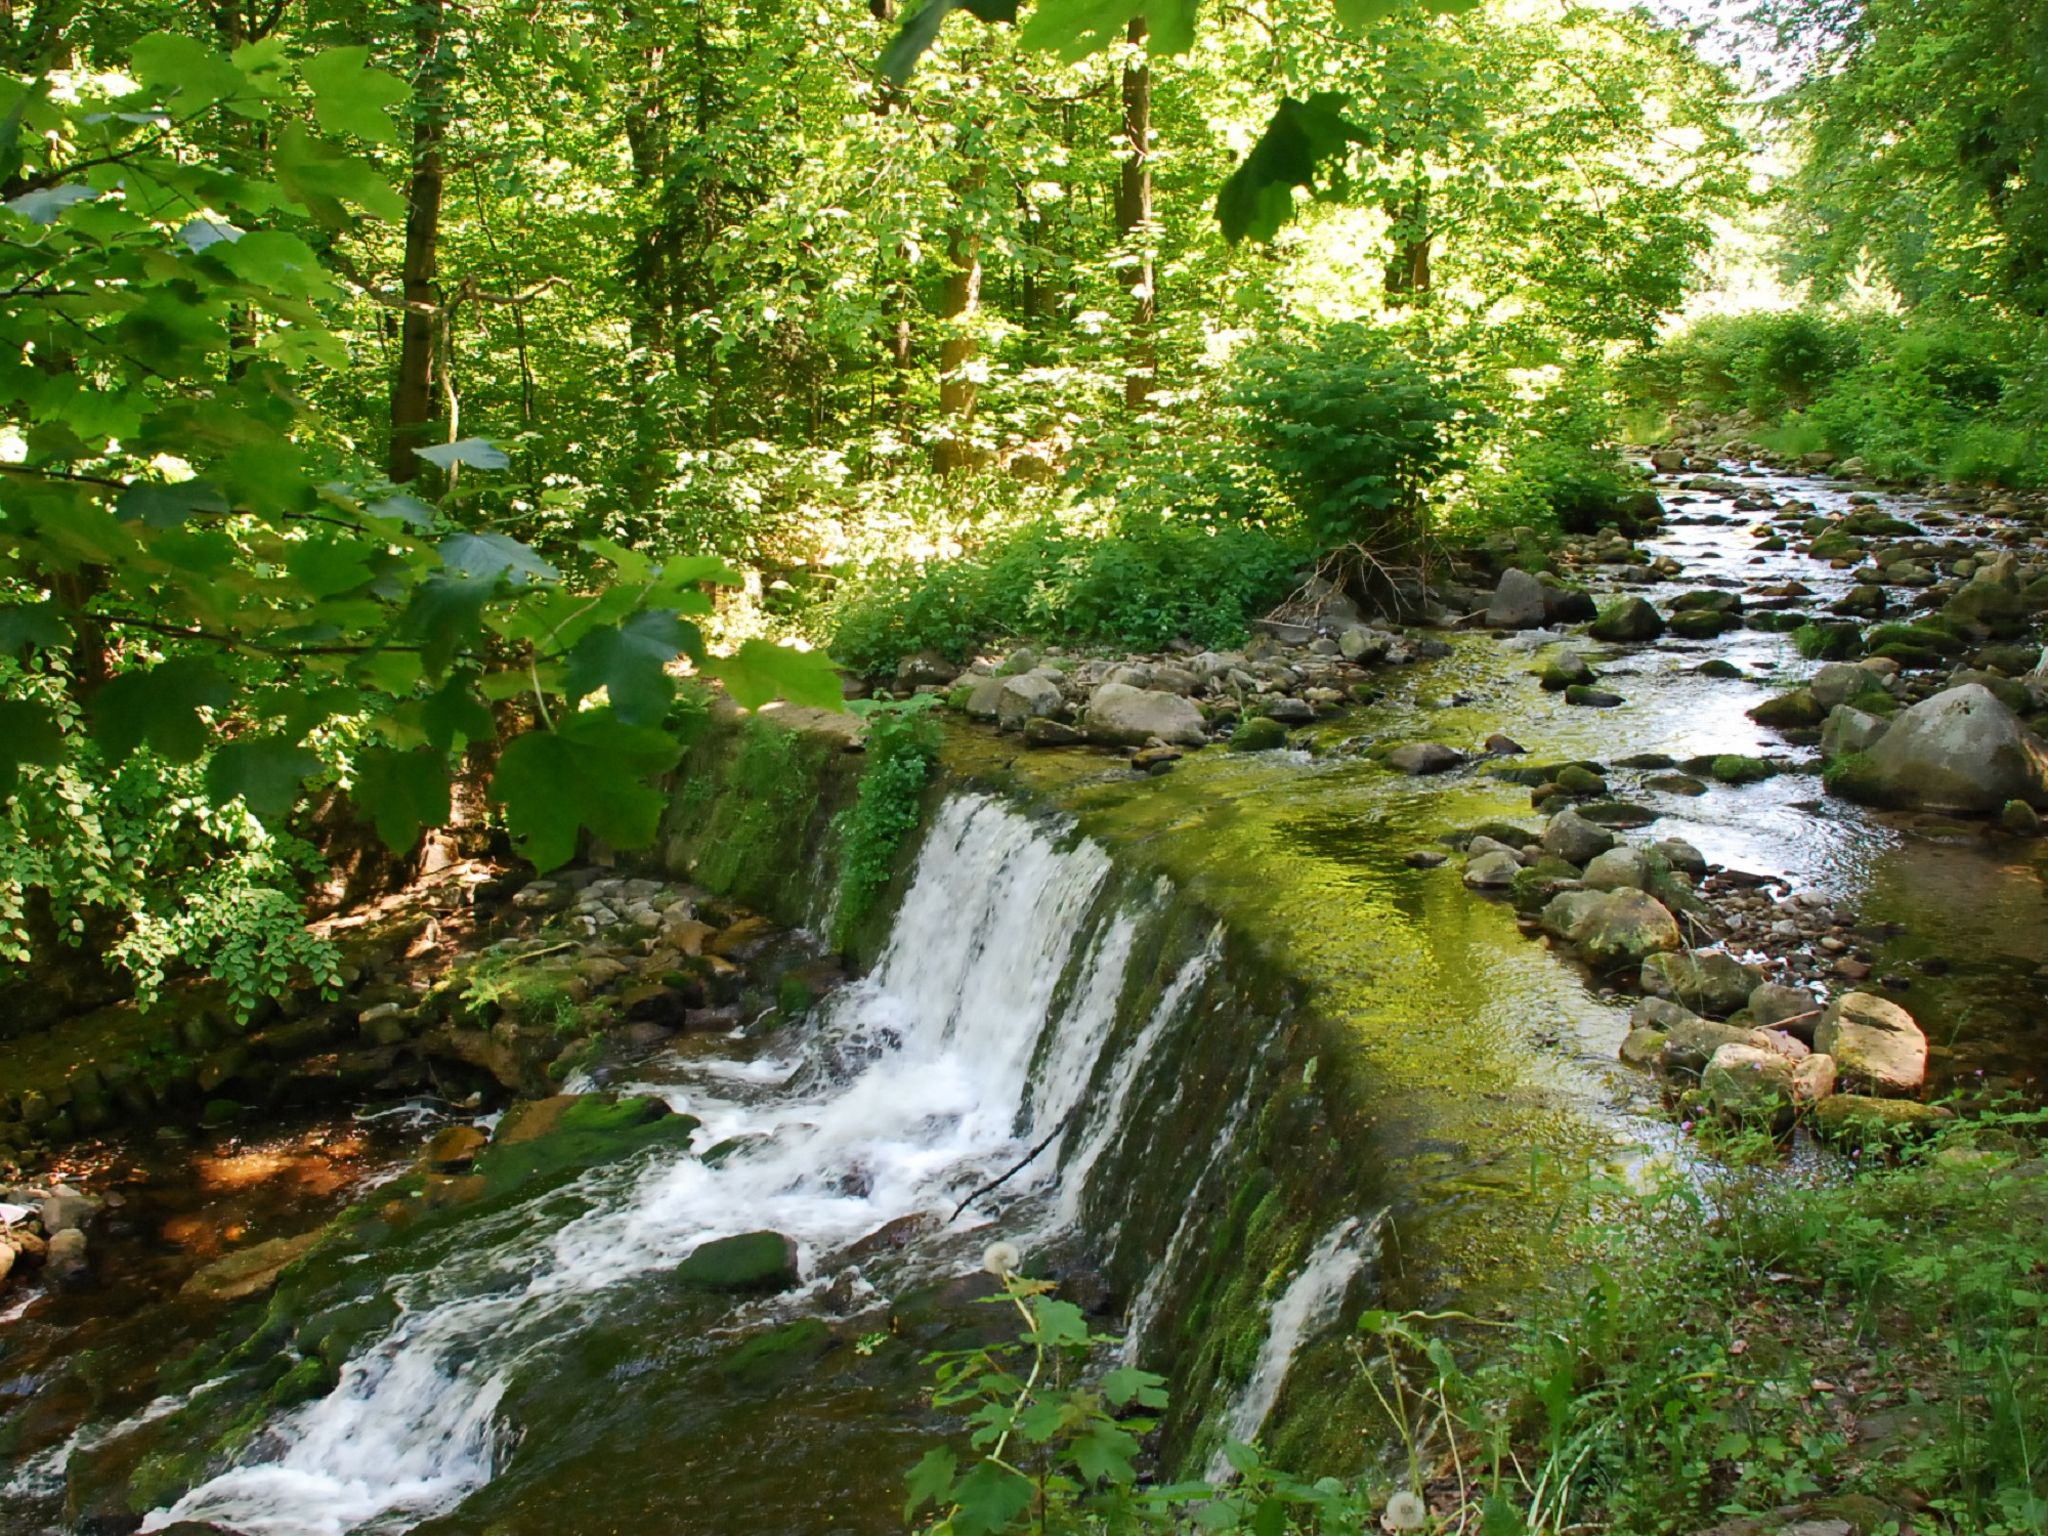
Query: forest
[[440, 439]]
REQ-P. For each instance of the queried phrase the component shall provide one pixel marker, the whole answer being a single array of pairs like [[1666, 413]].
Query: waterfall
[[1310, 1303], [980, 1030]]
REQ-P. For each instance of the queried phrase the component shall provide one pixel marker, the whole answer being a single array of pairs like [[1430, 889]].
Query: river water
[[539, 1377]]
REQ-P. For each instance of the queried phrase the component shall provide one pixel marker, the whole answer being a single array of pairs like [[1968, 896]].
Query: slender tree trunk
[[898, 301], [412, 393], [1408, 275], [959, 306], [1134, 222]]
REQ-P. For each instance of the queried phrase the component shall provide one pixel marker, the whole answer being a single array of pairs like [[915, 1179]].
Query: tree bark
[[1134, 223], [959, 304], [412, 393]]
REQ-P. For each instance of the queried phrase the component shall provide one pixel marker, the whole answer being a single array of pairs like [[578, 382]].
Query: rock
[[925, 668], [2019, 818], [1855, 1119], [1791, 1009], [1290, 711], [66, 1211], [1849, 730], [251, 1271], [1841, 682], [1632, 620], [1618, 869], [1676, 784], [1569, 836], [1567, 605], [1690, 1045], [1564, 669], [1025, 698], [1681, 856], [64, 1260], [455, 1146], [1426, 858], [1747, 1082], [1961, 750], [1041, 732], [1518, 602], [1710, 982], [752, 1261], [1875, 1043], [1499, 745], [1797, 710], [1492, 871], [1661, 1014], [1578, 780], [1259, 734], [1641, 1047], [1618, 928], [1592, 698], [1363, 646], [1123, 716], [1813, 1078], [1417, 758]]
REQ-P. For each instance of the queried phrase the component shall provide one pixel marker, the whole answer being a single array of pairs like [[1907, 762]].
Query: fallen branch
[[1015, 1169]]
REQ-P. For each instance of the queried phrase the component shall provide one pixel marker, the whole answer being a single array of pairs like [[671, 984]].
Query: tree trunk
[[1134, 222], [959, 305], [412, 393], [1408, 276]]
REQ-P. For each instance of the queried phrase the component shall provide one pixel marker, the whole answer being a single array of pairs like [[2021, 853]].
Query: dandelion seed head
[[1001, 1259], [1405, 1512]]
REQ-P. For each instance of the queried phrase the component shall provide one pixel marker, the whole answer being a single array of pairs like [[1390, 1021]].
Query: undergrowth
[[902, 746]]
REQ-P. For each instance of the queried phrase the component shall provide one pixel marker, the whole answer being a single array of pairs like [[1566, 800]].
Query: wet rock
[[1681, 856], [1629, 621], [1498, 745], [1689, 1044], [1261, 733], [1569, 836], [1290, 711], [455, 1146], [1841, 682], [1618, 869], [1796, 710], [1675, 784], [1791, 1009], [1961, 750], [1493, 870], [1417, 758], [925, 668], [1567, 605], [1619, 814], [1702, 623], [1536, 885], [2019, 818], [1563, 670], [1024, 698], [1592, 698], [1734, 768], [1618, 928], [1849, 730], [1876, 1044], [1578, 780], [66, 1210], [1363, 646], [64, 1258], [1518, 602], [249, 1271], [1717, 668], [1712, 983], [1747, 1082], [1042, 732], [749, 1262], [1426, 858], [1120, 715]]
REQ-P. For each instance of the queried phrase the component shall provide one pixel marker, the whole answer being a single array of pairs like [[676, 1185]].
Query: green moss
[[1733, 768], [771, 1357]]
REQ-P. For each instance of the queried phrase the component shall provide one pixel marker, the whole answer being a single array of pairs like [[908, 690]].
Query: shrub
[[902, 746], [1355, 429]]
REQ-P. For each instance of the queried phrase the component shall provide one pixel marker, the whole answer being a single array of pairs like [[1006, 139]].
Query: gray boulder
[[1747, 1082], [1792, 1009], [1710, 982], [1628, 621], [1681, 856], [1842, 682], [1876, 1044], [1849, 730], [1492, 871], [1618, 928], [1961, 750], [1123, 716], [1618, 869], [1569, 836], [1024, 698], [984, 698], [1364, 646], [1424, 757], [1518, 602]]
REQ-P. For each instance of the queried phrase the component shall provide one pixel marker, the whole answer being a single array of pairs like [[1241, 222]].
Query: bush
[[1140, 583], [902, 746], [1355, 429]]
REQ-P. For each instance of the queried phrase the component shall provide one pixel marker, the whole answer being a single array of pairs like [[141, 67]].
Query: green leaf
[[930, 1480], [159, 705], [1127, 1384], [990, 1497], [402, 508], [487, 556], [32, 624], [759, 671], [1365, 14], [454, 715], [349, 97], [28, 734], [327, 567], [629, 661], [1105, 1454], [403, 792], [264, 773], [1056, 1323], [592, 772], [1258, 197], [1499, 1517], [445, 614], [477, 452], [182, 68], [1073, 29], [325, 181]]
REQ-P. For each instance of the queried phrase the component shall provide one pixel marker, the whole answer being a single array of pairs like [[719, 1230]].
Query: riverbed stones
[[756, 1262], [1711, 982], [1621, 868], [1794, 1010], [65, 1262], [1849, 730], [1876, 1044], [1261, 733], [1518, 602], [1842, 682], [1492, 870], [1593, 698], [1961, 750], [1563, 670], [1750, 1083], [1043, 732], [1569, 836], [1419, 758], [1123, 716], [1026, 697], [1630, 621], [1797, 710]]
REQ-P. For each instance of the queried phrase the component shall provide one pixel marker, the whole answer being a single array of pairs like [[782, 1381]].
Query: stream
[[1110, 977]]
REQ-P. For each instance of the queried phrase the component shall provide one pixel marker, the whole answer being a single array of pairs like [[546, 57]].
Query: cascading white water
[[914, 1087], [1308, 1305]]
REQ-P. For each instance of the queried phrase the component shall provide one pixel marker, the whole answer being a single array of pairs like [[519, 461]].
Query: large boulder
[[1571, 837], [1961, 750], [1710, 982], [1619, 928], [1747, 1082], [1849, 730], [1518, 602], [1875, 1043], [1026, 697], [1628, 621], [1123, 716]]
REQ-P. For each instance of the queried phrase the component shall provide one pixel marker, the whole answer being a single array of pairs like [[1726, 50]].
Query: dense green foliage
[[902, 745]]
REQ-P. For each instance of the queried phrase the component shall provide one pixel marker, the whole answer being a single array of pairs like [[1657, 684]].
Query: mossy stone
[[750, 1261], [1259, 734]]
